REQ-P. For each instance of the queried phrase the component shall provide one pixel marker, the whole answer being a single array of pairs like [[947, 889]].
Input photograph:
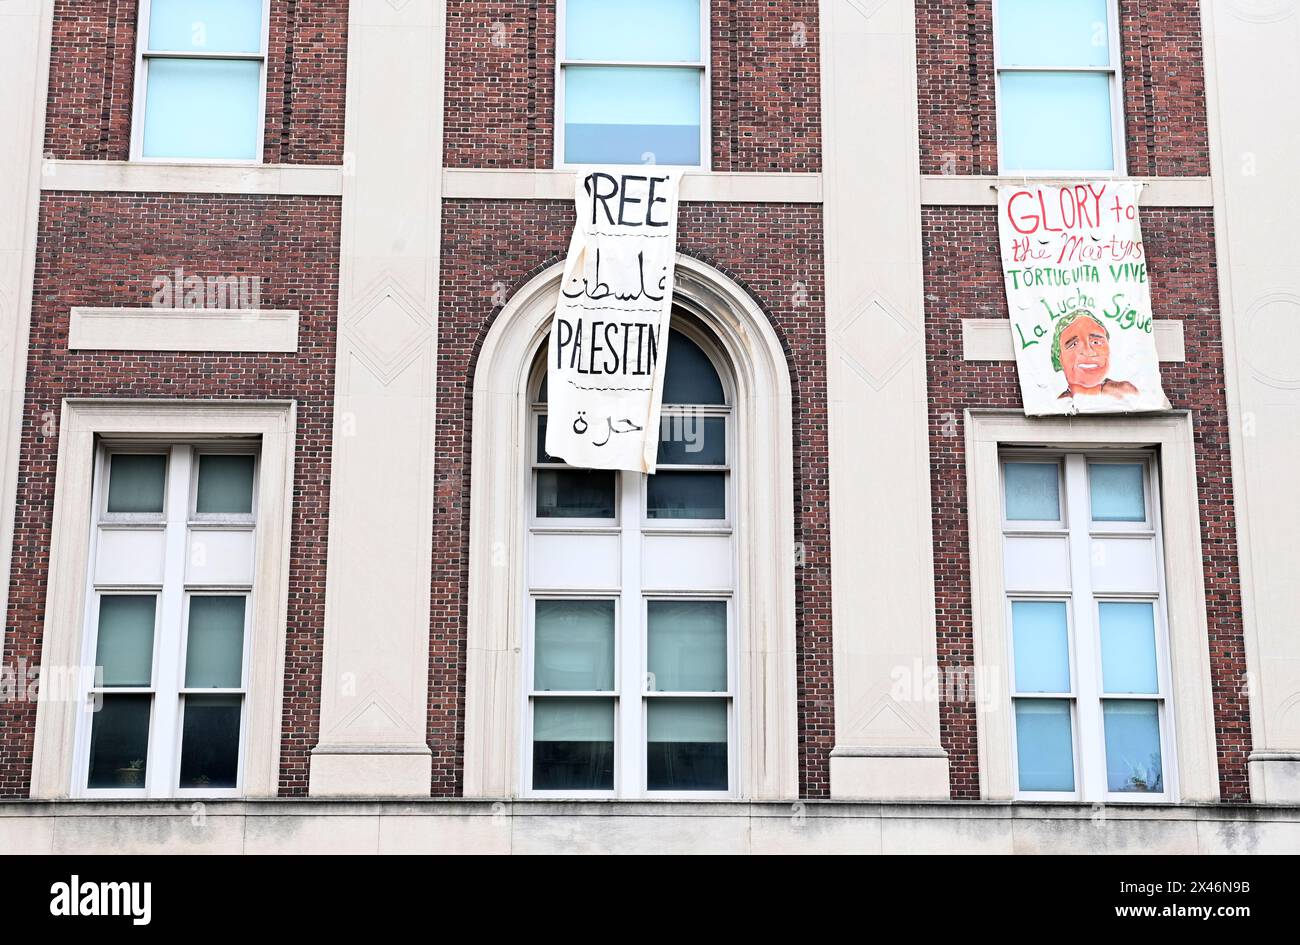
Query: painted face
[[1085, 353]]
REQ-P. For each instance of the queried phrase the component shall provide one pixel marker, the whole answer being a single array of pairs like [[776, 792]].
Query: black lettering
[[650, 209], [612, 348], [624, 200], [591, 184]]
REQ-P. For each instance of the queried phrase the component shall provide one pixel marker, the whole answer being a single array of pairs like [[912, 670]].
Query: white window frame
[[631, 693], [143, 56], [990, 431], [82, 424], [1086, 696], [178, 522], [702, 64], [1114, 70]]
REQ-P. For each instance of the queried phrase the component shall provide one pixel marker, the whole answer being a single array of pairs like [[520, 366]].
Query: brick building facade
[[401, 208]]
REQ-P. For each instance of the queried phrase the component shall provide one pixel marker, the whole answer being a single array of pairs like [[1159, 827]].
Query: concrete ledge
[[977, 191], [1275, 776], [465, 826], [157, 177], [703, 187], [876, 774], [370, 771], [182, 329]]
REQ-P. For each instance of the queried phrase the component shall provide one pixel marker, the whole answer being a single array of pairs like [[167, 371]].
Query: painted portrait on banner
[[1079, 295], [609, 337]]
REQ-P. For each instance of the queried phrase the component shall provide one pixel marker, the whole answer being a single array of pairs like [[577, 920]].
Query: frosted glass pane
[[1033, 491], [686, 495], [692, 440], [645, 30], [1042, 646], [119, 742], [205, 25], [136, 482], [1116, 491], [201, 108], [687, 647], [1053, 33], [687, 745], [225, 484], [1044, 745], [210, 742], [1128, 646], [689, 375], [575, 493], [574, 645], [1055, 121], [1133, 747], [573, 744], [214, 652], [628, 115], [124, 645]]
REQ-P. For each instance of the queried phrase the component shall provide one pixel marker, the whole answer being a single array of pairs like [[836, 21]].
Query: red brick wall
[[775, 252], [500, 88], [106, 250], [1164, 87], [963, 280], [92, 81]]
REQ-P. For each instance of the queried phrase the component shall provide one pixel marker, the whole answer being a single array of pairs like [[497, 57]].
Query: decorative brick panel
[[963, 279], [106, 250], [775, 253]]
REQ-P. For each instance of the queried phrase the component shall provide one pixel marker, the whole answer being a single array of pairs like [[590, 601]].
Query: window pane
[[687, 745], [574, 645], [692, 440], [205, 25], [628, 115], [689, 375], [1053, 33], [1042, 646], [1044, 745], [124, 645], [119, 742], [1133, 746], [1055, 121], [687, 495], [687, 645], [1117, 492], [1033, 492], [645, 30], [1128, 646], [573, 745], [542, 455], [575, 493], [136, 482], [214, 650], [202, 108], [210, 742], [225, 484]]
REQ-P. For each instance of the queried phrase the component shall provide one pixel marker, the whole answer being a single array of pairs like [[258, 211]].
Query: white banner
[[609, 338], [1080, 299]]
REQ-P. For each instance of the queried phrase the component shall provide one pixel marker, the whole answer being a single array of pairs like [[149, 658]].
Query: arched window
[[630, 658]]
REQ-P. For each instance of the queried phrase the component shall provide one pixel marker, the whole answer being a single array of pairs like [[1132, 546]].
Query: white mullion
[[1085, 652], [629, 743], [163, 765]]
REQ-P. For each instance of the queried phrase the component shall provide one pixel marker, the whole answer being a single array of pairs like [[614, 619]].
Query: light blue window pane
[[1128, 646], [1053, 33], [136, 482], [573, 720], [124, 647], [202, 108], [687, 720], [574, 645], [1055, 121], [225, 484], [687, 647], [214, 651], [628, 115], [1042, 646], [1117, 492], [1044, 745], [205, 25], [1133, 747], [1033, 491], [633, 30]]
